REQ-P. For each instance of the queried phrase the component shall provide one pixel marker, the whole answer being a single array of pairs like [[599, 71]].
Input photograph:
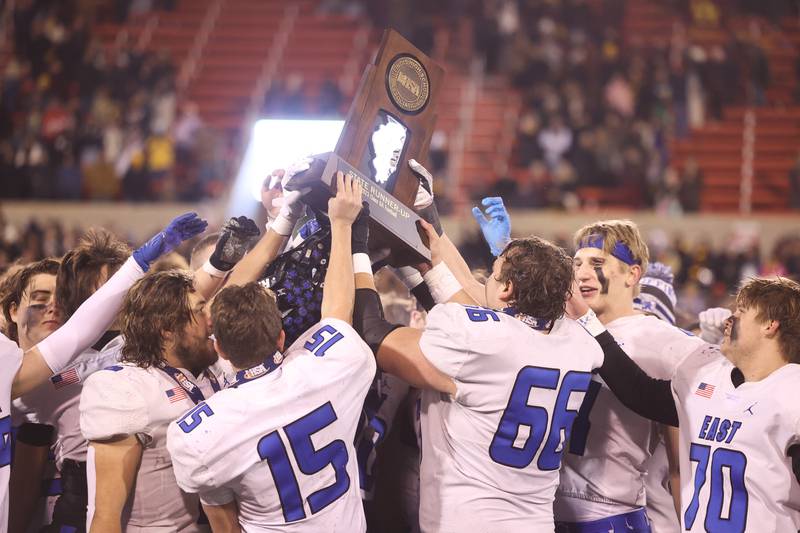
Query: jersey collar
[[535, 323], [249, 374]]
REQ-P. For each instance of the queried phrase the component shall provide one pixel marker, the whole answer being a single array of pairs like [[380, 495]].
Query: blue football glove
[[497, 228], [180, 229]]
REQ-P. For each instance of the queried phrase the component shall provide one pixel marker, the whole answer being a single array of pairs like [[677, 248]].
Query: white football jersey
[[280, 443], [660, 505], [125, 399], [491, 454], [735, 474], [55, 402], [10, 361], [604, 471]]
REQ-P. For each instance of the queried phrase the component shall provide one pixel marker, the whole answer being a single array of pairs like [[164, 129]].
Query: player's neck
[[758, 365], [616, 310]]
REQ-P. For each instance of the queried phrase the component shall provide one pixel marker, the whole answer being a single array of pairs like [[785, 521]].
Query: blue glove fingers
[[478, 214], [181, 219], [497, 211], [491, 200], [192, 229]]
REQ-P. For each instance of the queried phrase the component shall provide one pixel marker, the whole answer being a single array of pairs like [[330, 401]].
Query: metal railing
[[190, 65]]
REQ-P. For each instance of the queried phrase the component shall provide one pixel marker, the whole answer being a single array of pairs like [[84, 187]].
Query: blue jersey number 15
[[309, 460], [537, 419]]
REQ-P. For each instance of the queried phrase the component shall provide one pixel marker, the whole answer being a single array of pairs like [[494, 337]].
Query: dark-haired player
[[275, 451], [22, 372], [503, 386]]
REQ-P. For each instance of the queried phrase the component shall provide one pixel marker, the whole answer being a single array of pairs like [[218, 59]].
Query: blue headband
[[620, 251]]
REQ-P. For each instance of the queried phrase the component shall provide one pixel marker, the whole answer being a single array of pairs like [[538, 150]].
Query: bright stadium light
[[277, 144]]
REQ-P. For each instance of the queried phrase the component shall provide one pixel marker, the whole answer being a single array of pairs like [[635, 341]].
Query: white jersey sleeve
[[446, 341], [112, 405], [218, 496]]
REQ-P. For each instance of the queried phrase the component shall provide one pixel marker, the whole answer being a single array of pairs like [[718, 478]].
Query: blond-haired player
[[603, 476]]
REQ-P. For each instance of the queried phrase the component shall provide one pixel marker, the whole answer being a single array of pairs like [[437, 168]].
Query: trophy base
[[393, 226]]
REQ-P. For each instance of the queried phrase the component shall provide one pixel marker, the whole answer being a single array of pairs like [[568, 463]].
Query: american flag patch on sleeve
[[705, 390], [67, 377], [177, 394]]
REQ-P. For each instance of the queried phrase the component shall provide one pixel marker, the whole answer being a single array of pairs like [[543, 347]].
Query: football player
[[502, 386], [736, 407], [26, 305], [275, 451], [603, 480], [20, 374]]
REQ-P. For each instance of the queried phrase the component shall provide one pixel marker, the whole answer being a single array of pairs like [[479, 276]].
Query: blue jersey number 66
[[520, 413]]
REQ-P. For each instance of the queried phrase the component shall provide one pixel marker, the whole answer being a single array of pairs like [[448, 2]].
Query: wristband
[[362, 264], [442, 283], [282, 226], [213, 271], [591, 323]]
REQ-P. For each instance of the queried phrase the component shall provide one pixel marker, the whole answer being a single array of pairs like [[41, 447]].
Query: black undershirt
[[649, 397]]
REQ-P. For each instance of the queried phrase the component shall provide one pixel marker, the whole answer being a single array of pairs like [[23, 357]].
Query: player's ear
[[506, 294], [281, 340], [634, 275], [12, 311], [770, 328]]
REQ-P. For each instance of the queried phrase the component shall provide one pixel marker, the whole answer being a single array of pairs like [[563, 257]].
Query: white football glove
[[425, 190], [291, 208], [712, 324]]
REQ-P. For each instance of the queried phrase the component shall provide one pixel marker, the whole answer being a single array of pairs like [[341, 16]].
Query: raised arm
[[425, 207], [396, 347], [235, 239], [647, 397], [343, 209], [98, 312], [278, 229]]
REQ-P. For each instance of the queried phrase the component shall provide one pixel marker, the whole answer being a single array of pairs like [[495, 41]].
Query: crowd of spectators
[[81, 119], [599, 111]]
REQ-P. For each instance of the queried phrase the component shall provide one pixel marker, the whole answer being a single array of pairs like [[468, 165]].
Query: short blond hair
[[612, 232]]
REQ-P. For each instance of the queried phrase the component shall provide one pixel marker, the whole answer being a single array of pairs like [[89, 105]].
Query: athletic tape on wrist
[[591, 323], [213, 271], [410, 277], [442, 283], [362, 264], [282, 225]]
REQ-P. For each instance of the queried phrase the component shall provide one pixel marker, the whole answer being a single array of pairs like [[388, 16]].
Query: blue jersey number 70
[[553, 432], [310, 461]]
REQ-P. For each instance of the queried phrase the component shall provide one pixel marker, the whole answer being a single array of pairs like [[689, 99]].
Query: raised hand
[[180, 229], [346, 205], [496, 228], [237, 236], [712, 324], [288, 203], [423, 203], [434, 241], [425, 191]]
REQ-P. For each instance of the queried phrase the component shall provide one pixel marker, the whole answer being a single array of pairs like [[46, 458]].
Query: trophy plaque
[[390, 121]]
